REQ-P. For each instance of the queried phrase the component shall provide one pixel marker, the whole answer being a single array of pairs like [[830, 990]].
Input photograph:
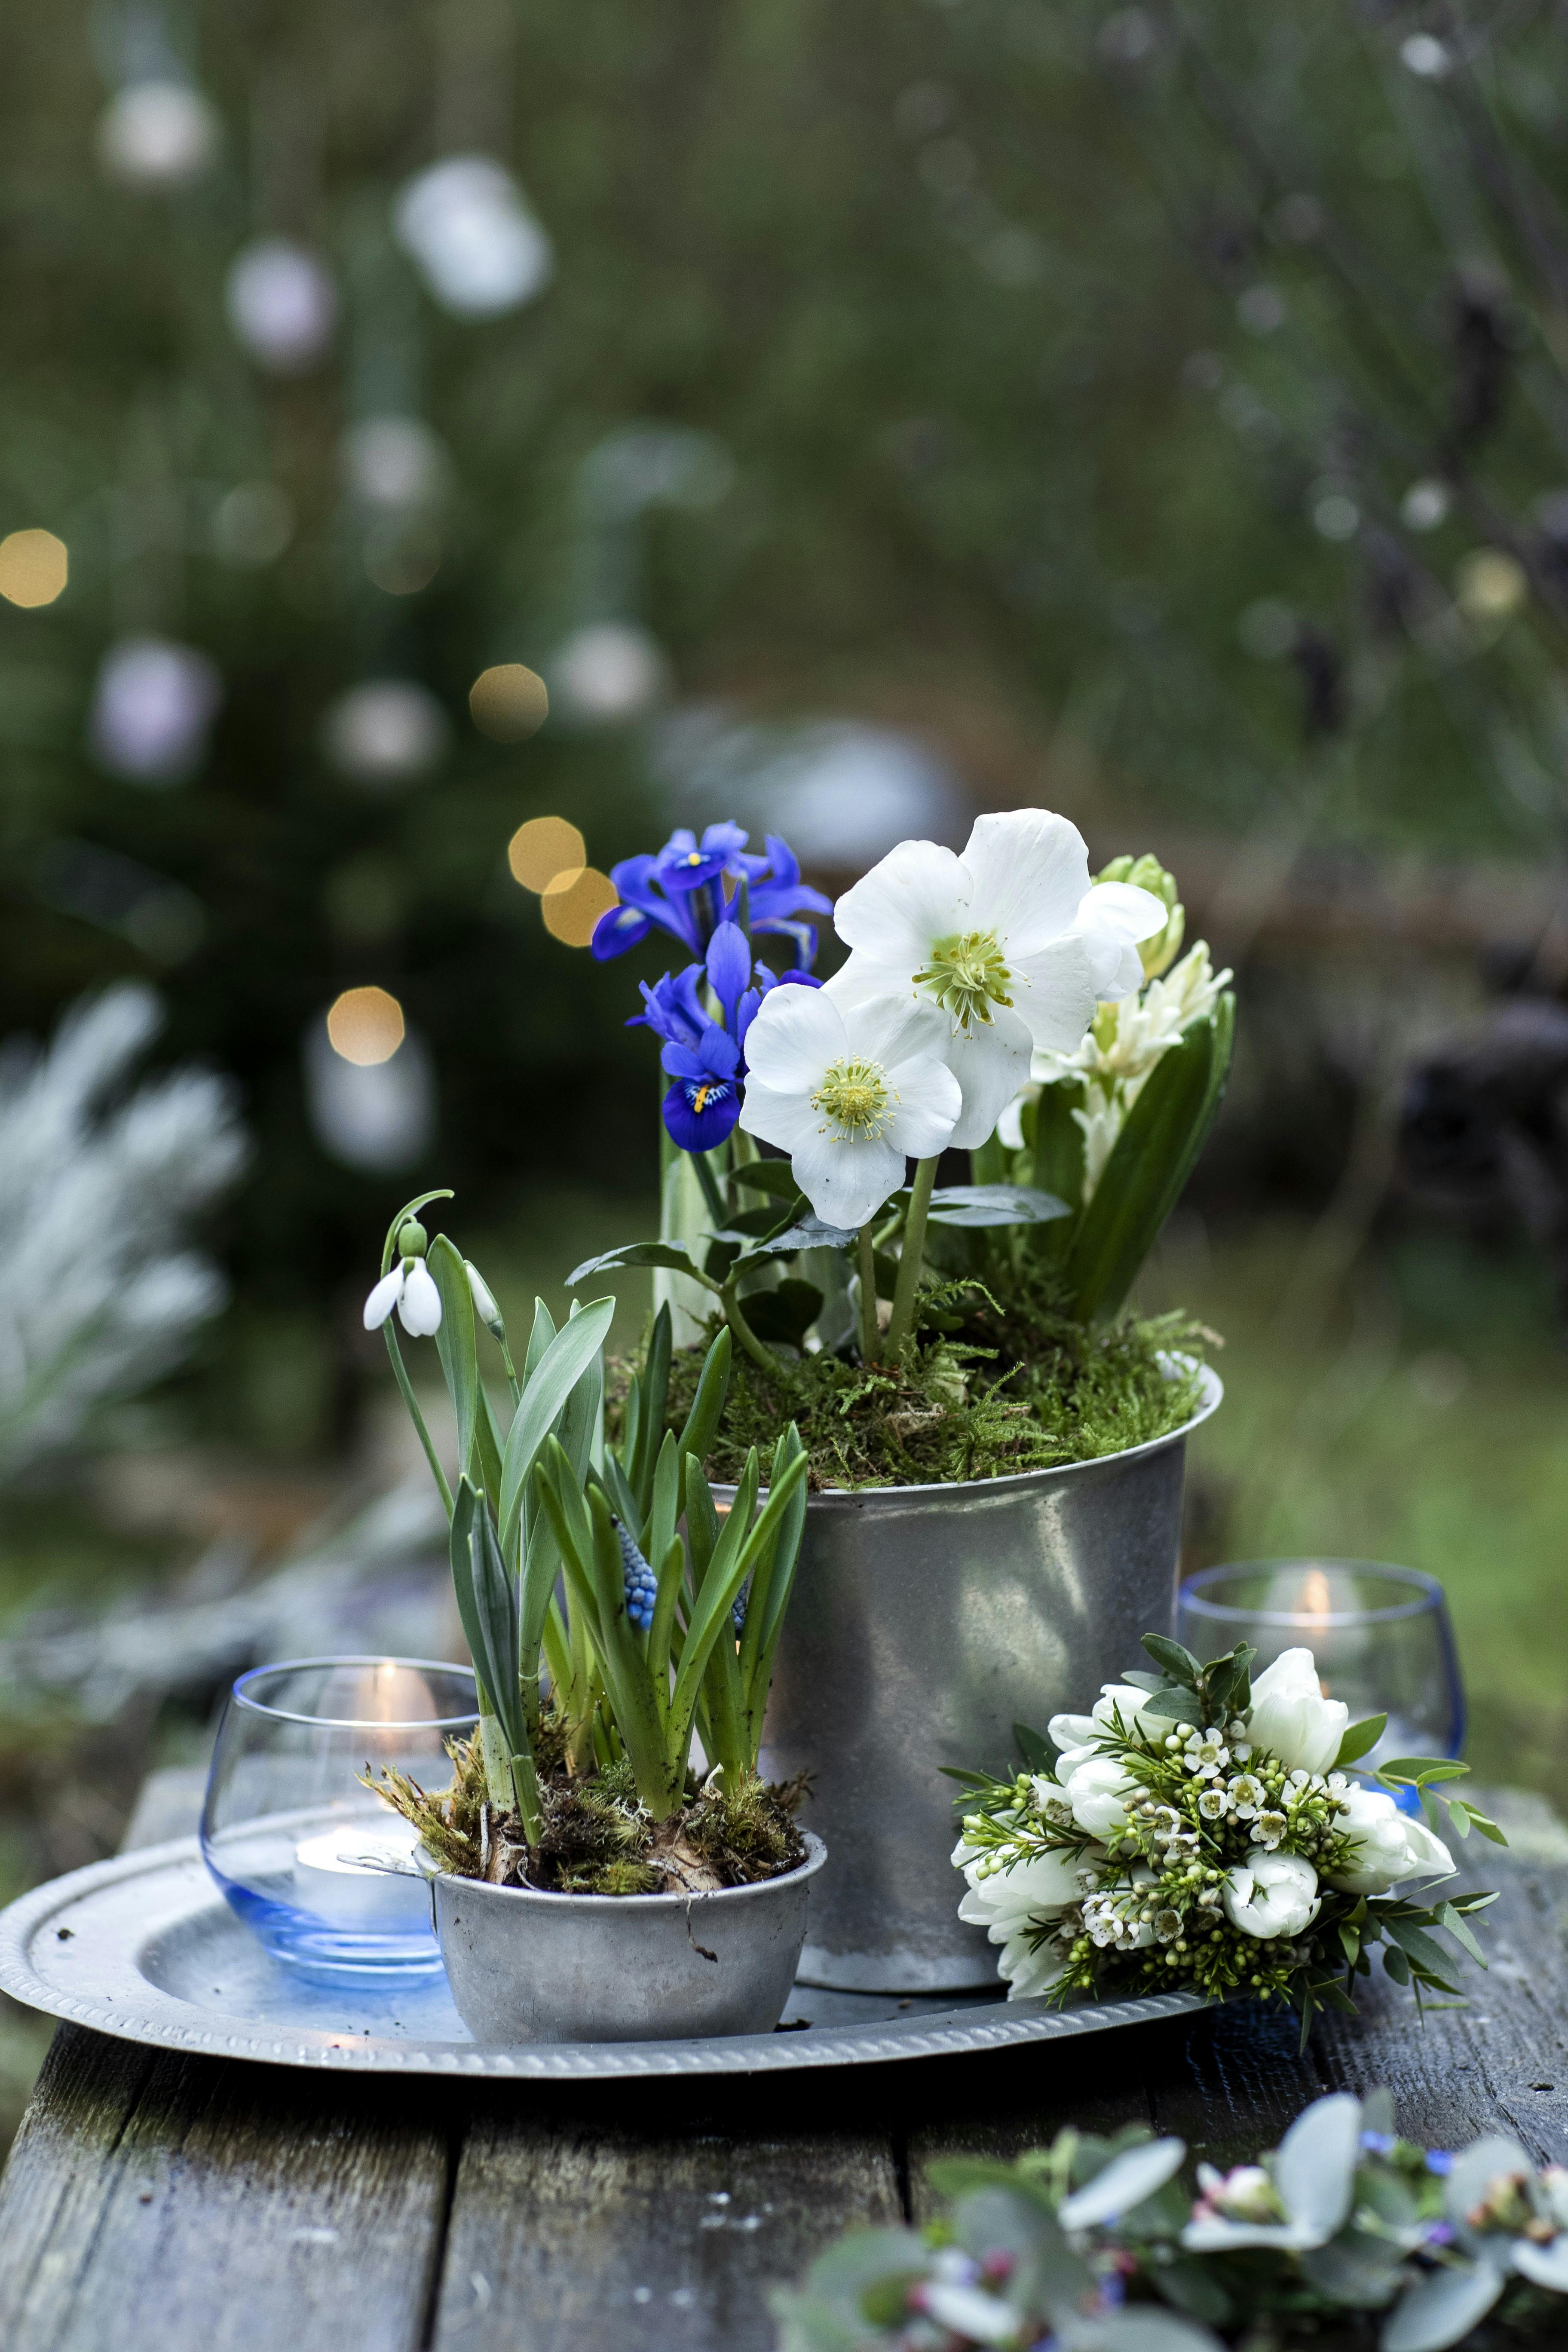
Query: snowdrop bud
[[1291, 1716], [1272, 1895], [485, 1307], [412, 1240]]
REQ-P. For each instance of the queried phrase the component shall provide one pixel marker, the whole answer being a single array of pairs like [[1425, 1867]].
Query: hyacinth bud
[[1146, 872], [412, 1240], [485, 1307]]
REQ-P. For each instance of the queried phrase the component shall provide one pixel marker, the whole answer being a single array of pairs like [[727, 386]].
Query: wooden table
[[156, 2203]]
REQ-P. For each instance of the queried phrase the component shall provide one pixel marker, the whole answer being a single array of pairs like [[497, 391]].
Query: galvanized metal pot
[[925, 1622], [526, 1966]]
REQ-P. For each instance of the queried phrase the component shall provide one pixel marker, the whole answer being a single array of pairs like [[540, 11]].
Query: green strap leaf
[[486, 1604], [1148, 1165], [708, 1404], [654, 1385], [559, 1370], [456, 1343]]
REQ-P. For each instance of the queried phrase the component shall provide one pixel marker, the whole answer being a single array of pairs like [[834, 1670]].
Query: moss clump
[[597, 1839], [1005, 1389]]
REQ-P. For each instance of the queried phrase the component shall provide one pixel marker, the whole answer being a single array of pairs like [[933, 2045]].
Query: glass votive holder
[[1381, 1638], [315, 1864]]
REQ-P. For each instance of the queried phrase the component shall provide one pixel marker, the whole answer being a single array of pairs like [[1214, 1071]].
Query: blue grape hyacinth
[[641, 1584]]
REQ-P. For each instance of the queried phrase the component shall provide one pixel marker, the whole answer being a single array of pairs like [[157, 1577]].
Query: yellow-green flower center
[[966, 975], [856, 1098]]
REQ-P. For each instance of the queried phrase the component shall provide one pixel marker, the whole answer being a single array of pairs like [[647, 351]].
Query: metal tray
[[145, 1947]]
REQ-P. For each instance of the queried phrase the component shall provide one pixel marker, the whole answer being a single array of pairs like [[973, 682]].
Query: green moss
[[747, 1832], [1011, 1387]]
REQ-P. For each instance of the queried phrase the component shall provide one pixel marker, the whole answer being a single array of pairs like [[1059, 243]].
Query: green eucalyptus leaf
[[1360, 1738], [994, 1204], [1179, 1663]]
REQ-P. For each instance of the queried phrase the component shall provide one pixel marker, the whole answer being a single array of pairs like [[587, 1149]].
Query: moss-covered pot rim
[[553, 1904], [922, 1497]]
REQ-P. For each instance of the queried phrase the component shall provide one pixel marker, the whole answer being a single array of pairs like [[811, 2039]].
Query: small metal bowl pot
[[527, 1967]]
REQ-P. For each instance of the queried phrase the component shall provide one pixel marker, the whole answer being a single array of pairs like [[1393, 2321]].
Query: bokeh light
[[365, 1026], [509, 702], [547, 854], [34, 568], [571, 914], [1489, 584]]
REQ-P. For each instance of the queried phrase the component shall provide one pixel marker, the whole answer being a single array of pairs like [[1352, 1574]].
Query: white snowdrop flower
[[1269, 1828], [850, 1091], [411, 1289], [999, 940], [1214, 1804], [1247, 1794]]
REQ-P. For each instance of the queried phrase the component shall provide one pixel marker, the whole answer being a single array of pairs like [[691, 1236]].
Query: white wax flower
[[1097, 1790], [1291, 1716], [1009, 1902], [994, 940], [411, 1288], [849, 1091], [1389, 1846], [1272, 1895]]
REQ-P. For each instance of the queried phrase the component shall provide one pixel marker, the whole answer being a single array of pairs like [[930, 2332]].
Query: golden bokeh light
[[547, 854], [1489, 584], [365, 1026], [571, 915], [34, 568], [509, 702]]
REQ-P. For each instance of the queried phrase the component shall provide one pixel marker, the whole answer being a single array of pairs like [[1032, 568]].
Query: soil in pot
[[984, 1391], [599, 1839]]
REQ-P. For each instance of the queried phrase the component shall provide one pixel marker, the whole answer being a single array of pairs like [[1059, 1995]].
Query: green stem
[[744, 1331], [912, 1257], [710, 1183], [870, 1337], [409, 1399]]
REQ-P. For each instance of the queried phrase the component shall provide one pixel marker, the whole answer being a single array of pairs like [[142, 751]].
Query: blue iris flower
[[702, 1105], [680, 890]]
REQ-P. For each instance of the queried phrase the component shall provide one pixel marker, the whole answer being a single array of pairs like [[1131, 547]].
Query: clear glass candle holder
[[320, 1868], [1381, 1637]]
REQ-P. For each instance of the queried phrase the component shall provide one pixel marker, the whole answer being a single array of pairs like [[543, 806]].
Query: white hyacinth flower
[[850, 1091], [1003, 941], [411, 1288]]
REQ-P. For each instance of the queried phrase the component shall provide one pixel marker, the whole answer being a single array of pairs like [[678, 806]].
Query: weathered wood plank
[[154, 2203], [1500, 2060], [565, 2233]]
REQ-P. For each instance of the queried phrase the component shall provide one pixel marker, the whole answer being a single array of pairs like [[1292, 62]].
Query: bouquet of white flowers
[[1199, 1831]]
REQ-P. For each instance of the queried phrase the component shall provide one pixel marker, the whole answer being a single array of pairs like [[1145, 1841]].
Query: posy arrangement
[[999, 1002], [1094, 2245], [1202, 1831]]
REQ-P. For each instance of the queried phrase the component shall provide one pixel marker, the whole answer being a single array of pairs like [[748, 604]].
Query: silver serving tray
[[145, 1947]]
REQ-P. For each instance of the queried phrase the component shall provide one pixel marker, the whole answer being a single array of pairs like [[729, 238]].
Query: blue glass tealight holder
[[1381, 1637], [319, 1868]]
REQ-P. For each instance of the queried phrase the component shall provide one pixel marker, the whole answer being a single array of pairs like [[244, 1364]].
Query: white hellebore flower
[[411, 1288], [1272, 1895], [1291, 1716], [1389, 1846], [849, 1091], [999, 940], [1097, 1790], [1008, 1903]]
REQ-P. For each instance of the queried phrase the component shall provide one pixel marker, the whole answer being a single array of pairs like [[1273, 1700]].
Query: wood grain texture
[[154, 2203], [564, 2234]]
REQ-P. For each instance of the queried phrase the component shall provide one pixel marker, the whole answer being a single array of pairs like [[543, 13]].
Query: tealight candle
[[363, 1874]]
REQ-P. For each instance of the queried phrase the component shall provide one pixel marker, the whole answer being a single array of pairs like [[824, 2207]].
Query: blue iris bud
[[640, 1583]]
